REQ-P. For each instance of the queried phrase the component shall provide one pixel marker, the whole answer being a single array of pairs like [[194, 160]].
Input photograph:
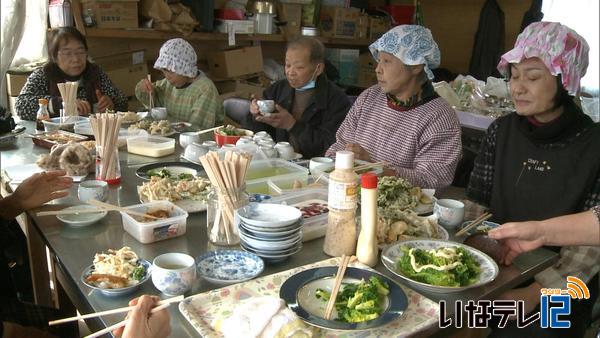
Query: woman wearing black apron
[[543, 161]]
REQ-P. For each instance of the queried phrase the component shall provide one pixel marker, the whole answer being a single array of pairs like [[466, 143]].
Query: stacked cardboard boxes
[[113, 13], [346, 61], [366, 70]]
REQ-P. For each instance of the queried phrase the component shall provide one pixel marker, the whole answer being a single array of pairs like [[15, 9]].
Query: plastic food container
[[314, 216], [150, 145], [66, 123], [281, 172], [158, 230]]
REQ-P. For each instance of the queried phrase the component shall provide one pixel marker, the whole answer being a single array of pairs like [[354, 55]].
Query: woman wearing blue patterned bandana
[[185, 91], [401, 120]]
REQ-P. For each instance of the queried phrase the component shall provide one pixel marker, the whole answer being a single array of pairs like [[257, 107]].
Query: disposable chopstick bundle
[[68, 92], [106, 131], [228, 176]]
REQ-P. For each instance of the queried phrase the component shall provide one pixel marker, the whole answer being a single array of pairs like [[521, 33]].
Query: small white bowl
[[83, 219], [185, 139], [159, 113], [92, 189], [174, 273]]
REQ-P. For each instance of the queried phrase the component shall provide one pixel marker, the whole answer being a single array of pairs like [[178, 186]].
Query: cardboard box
[[377, 27], [346, 61], [113, 14], [366, 70], [235, 62], [362, 29], [237, 26], [338, 22], [125, 70], [15, 82], [292, 15], [239, 88]]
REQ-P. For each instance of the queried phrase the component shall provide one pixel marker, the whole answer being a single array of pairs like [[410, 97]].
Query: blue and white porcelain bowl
[[174, 273], [229, 266]]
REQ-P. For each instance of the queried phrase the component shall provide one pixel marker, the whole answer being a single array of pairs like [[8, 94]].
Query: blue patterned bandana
[[179, 57], [412, 44]]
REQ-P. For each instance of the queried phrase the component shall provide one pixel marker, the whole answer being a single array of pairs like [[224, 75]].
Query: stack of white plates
[[271, 231]]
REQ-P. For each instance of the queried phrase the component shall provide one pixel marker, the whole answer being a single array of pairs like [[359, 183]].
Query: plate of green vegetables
[[366, 300], [439, 266]]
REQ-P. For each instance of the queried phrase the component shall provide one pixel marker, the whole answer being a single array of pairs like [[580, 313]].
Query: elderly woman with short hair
[[401, 120], [68, 53]]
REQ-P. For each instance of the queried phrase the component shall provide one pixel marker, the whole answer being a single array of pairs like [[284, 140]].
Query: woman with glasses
[[68, 51]]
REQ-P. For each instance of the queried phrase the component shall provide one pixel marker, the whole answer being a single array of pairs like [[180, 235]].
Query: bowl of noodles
[[116, 272]]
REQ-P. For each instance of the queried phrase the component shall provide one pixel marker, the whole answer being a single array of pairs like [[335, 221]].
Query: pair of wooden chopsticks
[[370, 165], [208, 130], [483, 217], [161, 305], [151, 103], [345, 260], [101, 207]]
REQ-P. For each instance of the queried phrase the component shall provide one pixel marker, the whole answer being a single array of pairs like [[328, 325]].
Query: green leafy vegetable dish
[[358, 302], [164, 173], [231, 131], [446, 266]]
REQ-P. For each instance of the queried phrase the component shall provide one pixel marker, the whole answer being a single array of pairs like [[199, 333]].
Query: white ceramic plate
[[120, 291], [83, 219], [391, 255], [269, 215], [19, 173]]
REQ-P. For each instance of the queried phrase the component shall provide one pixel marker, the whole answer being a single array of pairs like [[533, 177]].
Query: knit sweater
[[38, 86], [199, 103], [422, 144]]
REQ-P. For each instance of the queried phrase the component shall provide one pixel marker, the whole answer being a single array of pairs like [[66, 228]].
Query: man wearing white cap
[[185, 91], [401, 120]]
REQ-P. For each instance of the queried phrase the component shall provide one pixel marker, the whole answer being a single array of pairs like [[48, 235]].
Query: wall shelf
[[198, 36]]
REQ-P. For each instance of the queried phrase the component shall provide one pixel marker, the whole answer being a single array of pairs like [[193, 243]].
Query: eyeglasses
[[72, 54]]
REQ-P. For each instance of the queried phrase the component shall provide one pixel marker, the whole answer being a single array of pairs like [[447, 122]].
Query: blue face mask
[[310, 84]]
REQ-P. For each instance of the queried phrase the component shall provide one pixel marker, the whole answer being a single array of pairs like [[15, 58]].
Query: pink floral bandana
[[560, 48]]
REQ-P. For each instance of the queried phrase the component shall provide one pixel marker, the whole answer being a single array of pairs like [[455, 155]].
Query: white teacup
[[323, 163], [261, 135], [244, 140], [266, 106], [186, 139], [285, 150], [193, 152], [269, 151], [449, 212], [92, 189], [159, 113], [174, 273]]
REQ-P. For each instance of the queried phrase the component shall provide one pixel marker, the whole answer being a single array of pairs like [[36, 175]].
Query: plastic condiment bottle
[[42, 114], [340, 237], [366, 250]]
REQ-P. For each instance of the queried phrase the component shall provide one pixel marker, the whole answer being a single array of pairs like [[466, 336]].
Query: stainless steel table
[[72, 249]]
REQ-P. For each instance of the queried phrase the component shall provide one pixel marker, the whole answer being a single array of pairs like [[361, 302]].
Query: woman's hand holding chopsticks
[[84, 108], [142, 323], [104, 102]]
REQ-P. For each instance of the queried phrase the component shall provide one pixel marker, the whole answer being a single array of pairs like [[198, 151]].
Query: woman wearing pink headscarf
[[542, 161]]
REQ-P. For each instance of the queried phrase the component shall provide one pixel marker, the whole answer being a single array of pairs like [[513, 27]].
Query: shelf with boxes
[[198, 36]]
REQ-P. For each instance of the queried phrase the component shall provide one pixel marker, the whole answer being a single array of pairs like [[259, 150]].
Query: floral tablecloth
[[201, 309]]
